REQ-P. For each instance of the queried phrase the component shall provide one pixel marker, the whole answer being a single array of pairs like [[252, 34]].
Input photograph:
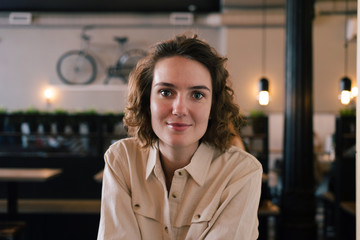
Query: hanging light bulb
[[345, 88], [264, 96], [345, 82]]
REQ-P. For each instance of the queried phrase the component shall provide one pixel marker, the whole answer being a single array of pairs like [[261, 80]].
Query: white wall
[[245, 65]]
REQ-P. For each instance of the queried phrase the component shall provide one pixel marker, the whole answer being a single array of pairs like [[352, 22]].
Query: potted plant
[[347, 116], [88, 117], [16, 118], [31, 117], [46, 119], [347, 112], [3, 113], [258, 120], [60, 118]]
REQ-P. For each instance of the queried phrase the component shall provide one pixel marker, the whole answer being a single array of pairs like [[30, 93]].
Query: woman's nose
[[179, 106]]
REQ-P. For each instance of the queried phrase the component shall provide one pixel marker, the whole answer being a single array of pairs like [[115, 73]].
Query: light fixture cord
[[264, 38], [345, 38]]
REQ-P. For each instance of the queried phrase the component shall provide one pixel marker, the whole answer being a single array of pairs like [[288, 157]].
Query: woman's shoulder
[[124, 151], [124, 147], [240, 156], [124, 143]]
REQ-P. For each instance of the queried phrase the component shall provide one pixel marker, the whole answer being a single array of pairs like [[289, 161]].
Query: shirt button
[[174, 195], [180, 173], [166, 229], [197, 216], [136, 206]]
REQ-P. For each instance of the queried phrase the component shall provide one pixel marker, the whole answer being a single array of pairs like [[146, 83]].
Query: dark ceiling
[[270, 3]]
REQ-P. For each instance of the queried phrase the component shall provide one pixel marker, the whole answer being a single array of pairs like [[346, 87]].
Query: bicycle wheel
[[76, 68], [128, 61]]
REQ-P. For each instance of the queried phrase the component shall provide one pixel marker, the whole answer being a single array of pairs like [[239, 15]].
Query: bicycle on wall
[[79, 67]]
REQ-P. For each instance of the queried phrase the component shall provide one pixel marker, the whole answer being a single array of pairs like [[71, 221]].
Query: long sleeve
[[236, 217], [117, 219]]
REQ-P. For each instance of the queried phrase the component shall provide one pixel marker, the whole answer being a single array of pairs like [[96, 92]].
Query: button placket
[[176, 192], [174, 195], [178, 185]]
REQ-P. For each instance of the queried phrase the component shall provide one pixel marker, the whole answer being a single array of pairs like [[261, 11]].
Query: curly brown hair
[[225, 114]]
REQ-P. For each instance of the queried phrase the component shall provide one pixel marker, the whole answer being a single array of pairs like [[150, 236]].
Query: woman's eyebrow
[[199, 87], [164, 84]]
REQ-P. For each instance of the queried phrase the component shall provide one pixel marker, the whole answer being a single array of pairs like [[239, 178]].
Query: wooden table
[[15, 175]]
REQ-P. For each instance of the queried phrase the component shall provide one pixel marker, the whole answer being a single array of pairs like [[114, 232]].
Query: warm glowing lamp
[[264, 91], [49, 95], [345, 82], [263, 96], [345, 88]]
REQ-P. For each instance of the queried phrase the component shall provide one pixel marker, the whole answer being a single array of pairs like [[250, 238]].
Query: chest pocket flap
[[199, 214], [148, 209]]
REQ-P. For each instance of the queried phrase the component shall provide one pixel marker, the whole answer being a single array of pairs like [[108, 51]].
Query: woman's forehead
[[181, 71]]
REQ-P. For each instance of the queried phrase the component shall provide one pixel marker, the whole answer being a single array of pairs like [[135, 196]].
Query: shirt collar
[[198, 167], [200, 163], [153, 155]]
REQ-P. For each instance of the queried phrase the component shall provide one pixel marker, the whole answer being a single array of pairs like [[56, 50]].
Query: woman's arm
[[117, 220]]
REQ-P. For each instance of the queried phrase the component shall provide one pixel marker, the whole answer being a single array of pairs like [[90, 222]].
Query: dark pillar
[[297, 219]]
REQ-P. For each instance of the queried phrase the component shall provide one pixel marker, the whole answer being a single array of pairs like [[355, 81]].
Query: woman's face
[[180, 101]]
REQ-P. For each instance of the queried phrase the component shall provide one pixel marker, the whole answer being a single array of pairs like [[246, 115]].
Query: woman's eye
[[198, 95], [165, 93]]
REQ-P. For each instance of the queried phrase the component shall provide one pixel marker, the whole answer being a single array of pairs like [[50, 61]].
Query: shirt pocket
[[149, 221], [148, 204], [146, 211], [197, 221]]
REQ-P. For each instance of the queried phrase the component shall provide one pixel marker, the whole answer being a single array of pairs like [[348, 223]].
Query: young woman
[[179, 177]]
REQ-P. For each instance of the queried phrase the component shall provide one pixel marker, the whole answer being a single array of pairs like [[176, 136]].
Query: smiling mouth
[[179, 126]]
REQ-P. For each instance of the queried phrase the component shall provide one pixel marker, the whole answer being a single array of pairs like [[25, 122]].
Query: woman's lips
[[179, 126]]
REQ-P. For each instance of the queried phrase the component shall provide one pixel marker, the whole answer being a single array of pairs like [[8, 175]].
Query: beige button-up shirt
[[216, 196]]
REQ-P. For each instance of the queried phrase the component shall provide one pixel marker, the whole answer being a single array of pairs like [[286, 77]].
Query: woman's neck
[[174, 158]]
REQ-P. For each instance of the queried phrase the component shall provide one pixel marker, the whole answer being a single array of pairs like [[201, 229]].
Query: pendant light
[[345, 82], [264, 96]]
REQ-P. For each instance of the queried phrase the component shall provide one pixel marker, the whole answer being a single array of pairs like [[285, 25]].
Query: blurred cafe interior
[[64, 67]]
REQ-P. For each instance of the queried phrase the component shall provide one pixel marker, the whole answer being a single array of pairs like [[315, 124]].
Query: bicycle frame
[[86, 47], [80, 66]]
